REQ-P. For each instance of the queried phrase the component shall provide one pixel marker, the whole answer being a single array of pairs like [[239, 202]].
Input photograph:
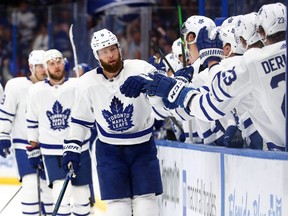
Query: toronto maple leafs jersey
[[49, 115], [12, 112], [260, 72], [120, 120]]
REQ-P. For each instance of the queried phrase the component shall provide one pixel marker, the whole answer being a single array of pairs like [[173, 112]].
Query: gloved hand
[[158, 64], [209, 49], [4, 147], [71, 155], [233, 137], [34, 156], [164, 87], [133, 86], [184, 74]]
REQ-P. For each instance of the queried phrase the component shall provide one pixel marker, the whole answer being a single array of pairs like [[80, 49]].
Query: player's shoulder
[[135, 63], [16, 80], [17, 84], [89, 79], [137, 66], [39, 86]]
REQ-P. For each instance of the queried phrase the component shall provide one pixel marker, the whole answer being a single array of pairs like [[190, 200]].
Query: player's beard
[[56, 77], [115, 68]]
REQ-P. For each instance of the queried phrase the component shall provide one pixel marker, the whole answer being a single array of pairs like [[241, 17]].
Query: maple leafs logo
[[58, 118], [118, 118]]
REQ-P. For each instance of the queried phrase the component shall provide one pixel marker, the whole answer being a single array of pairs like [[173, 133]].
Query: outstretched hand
[[185, 74], [163, 86], [209, 49], [133, 86]]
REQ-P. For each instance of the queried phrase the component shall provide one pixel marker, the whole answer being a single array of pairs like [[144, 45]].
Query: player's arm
[[8, 108], [32, 116], [82, 120]]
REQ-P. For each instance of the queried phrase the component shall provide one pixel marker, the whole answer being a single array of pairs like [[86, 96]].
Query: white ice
[[14, 207]]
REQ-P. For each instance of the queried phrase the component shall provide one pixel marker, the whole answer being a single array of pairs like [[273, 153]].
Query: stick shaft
[[181, 36], [74, 50], [158, 50], [10, 200], [62, 192]]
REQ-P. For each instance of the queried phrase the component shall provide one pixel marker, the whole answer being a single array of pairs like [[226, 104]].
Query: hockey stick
[[158, 50], [10, 200], [69, 175], [181, 35], [74, 50]]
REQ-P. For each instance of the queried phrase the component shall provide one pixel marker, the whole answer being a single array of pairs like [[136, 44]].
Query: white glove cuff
[[210, 52], [34, 153], [175, 91], [72, 147]]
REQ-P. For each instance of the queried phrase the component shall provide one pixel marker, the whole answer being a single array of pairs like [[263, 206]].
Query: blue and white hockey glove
[[158, 64], [209, 49], [34, 156], [133, 86], [4, 147], [184, 74], [71, 155], [232, 137], [164, 87]]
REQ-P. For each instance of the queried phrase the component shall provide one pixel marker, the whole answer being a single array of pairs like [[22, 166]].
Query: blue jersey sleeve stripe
[[22, 141], [83, 123], [156, 112], [125, 136], [212, 106], [7, 113], [4, 119], [220, 88], [206, 88], [31, 121], [51, 146], [203, 109], [247, 123], [179, 115], [35, 126]]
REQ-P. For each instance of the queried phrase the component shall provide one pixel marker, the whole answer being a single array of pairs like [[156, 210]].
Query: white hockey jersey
[[120, 120], [49, 115], [12, 112], [260, 72]]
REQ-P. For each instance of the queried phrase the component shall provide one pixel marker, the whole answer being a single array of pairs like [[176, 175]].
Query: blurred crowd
[[25, 26]]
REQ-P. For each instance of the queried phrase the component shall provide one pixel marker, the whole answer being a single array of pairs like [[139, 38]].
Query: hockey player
[[261, 72], [48, 116], [127, 164], [13, 127]]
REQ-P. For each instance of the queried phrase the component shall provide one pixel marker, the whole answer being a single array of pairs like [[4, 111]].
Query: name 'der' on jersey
[[273, 64], [118, 119]]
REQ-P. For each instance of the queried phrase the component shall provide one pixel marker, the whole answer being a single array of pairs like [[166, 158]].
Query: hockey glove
[[184, 74], [71, 155], [158, 64], [164, 87], [209, 49], [34, 156], [4, 147], [233, 137], [133, 86]]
